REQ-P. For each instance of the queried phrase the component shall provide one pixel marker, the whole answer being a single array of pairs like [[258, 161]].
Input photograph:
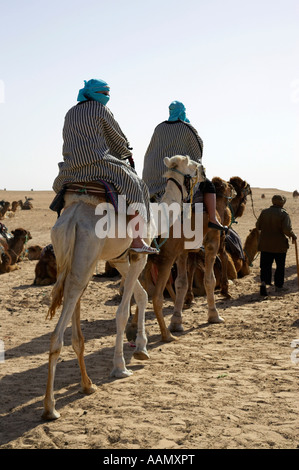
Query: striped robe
[[169, 138], [95, 148]]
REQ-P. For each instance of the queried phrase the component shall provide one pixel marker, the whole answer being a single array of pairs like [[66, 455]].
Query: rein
[[189, 185]]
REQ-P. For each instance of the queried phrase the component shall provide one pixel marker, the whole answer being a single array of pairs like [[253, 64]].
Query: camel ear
[[166, 161]]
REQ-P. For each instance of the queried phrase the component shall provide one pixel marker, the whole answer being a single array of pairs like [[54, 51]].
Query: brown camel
[[46, 267], [27, 205], [34, 252], [295, 193], [238, 265], [250, 249], [231, 198], [172, 252], [4, 208], [13, 248], [14, 206]]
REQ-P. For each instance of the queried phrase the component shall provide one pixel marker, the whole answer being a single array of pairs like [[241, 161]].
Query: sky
[[233, 63]]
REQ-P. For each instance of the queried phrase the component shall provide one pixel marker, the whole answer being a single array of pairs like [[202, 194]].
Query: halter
[[188, 183]]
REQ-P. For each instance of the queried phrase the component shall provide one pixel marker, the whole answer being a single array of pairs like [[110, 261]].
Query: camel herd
[[71, 260], [9, 210]]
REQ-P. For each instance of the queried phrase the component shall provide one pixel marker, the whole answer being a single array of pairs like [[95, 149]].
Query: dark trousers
[[266, 267]]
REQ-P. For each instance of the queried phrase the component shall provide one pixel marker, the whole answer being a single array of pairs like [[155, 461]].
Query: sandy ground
[[232, 385]]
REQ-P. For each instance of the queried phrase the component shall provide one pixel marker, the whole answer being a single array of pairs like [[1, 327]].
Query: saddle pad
[[233, 244], [100, 189], [4, 232]]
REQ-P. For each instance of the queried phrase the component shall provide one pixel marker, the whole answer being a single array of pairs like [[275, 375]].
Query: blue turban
[[177, 111], [89, 92]]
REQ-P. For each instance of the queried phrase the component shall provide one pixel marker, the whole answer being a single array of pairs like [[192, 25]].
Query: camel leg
[[122, 315], [50, 412], [141, 298], [211, 244], [135, 330], [78, 345], [191, 266], [158, 298], [75, 284], [224, 264], [181, 286]]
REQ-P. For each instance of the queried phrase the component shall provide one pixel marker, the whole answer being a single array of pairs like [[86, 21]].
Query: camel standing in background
[[78, 249], [231, 198]]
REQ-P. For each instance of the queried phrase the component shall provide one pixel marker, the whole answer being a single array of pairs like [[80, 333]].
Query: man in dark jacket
[[275, 226]]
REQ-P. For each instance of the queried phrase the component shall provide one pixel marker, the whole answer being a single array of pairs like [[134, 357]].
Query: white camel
[[77, 249]]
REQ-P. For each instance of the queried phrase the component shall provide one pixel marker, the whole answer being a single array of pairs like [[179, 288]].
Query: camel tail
[[63, 238]]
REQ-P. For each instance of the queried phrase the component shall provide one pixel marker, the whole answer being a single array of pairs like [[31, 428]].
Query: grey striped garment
[[95, 148], [169, 138]]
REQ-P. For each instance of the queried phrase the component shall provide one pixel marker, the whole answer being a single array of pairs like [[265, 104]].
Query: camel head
[[241, 186], [22, 234], [242, 189], [224, 188], [182, 164]]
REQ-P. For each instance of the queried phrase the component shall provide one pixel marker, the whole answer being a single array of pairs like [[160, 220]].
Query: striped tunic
[[169, 138], [95, 148]]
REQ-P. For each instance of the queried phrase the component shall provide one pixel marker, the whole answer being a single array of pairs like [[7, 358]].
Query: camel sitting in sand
[[27, 205], [4, 208], [78, 248], [46, 267], [295, 193], [34, 252], [237, 267], [13, 248]]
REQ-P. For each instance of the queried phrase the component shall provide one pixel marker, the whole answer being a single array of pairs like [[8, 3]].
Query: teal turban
[[177, 111], [91, 89]]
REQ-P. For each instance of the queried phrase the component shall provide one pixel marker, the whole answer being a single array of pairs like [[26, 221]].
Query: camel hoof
[[169, 338], [216, 320], [176, 327], [50, 415], [89, 390], [141, 355], [131, 332], [121, 373]]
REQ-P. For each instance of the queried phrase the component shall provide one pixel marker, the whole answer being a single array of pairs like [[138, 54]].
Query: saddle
[[4, 233], [102, 190], [233, 244]]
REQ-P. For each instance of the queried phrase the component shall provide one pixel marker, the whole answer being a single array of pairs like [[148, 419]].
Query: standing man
[[275, 226]]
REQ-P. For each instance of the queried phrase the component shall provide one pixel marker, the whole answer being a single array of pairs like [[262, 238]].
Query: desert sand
[[225, 386]]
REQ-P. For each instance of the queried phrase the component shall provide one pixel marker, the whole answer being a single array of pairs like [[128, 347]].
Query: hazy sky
[[233, 63]]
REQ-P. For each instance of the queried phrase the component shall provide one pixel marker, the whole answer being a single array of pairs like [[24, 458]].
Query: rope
[[249, 259], [252, 205]]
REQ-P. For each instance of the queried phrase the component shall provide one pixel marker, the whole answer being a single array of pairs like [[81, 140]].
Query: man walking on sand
[[275, 226]]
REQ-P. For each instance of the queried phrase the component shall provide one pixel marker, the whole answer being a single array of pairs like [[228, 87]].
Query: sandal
[[145, 249]]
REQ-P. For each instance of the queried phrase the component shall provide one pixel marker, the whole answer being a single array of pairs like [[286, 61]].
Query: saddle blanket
[[95, 188], [233, 244]]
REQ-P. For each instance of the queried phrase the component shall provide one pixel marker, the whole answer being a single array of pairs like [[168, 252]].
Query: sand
[[224, 386]]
